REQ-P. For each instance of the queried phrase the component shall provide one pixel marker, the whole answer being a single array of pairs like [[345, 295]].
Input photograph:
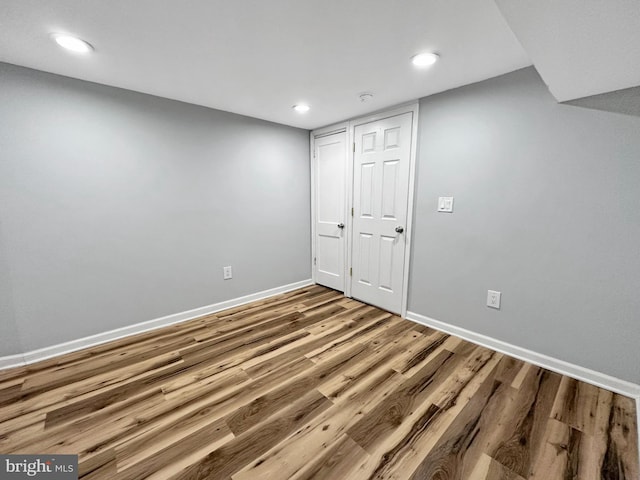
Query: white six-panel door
[[330, 192], [381, 166]]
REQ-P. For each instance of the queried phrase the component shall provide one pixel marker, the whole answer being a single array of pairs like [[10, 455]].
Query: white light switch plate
[[227, 273], [445, 204], [493, 299]]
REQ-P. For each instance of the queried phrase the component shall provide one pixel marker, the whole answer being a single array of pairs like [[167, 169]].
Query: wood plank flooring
[[311, 385]]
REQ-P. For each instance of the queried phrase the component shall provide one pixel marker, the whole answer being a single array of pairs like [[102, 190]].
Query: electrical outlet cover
[[493, 299], [227, 273]]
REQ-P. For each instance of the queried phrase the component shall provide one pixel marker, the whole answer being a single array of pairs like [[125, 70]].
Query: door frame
[[413, 108], [341, 127]]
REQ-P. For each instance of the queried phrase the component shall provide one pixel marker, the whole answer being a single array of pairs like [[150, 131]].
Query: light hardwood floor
[[312, 385]]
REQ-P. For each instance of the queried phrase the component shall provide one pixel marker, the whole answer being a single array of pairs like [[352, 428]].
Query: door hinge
[[314, 260], [352, 211], [351, 272], [354, 147]]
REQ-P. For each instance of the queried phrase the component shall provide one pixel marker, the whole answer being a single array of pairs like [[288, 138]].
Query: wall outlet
[[493, 299], [227, 273], [445, 204]]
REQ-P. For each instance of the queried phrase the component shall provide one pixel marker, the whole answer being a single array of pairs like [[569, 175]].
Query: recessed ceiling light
[[301, 108], [72, 43], [424, 59]]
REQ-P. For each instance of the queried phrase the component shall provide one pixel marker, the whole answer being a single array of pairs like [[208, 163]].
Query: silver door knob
[[399, 229], [341, 225]]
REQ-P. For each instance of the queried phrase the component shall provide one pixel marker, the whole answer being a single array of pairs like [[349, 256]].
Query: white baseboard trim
[[598, 379], [81, 343], [11, 361]]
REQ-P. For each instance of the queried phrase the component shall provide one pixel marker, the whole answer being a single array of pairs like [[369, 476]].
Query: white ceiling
[[259, 57], [579, 47]]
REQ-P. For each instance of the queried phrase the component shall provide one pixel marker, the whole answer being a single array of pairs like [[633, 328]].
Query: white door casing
[[329, 177], [381, 186]]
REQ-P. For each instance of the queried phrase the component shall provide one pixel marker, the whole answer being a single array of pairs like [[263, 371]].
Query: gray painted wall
[[625, 101], [9, 338], [119, 207], [547, 211]]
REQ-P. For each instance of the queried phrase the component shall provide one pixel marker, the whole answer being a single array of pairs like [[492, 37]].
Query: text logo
[[50, 467]]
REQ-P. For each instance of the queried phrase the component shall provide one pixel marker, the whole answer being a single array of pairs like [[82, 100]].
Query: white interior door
[[382, 160], [330, 164]]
